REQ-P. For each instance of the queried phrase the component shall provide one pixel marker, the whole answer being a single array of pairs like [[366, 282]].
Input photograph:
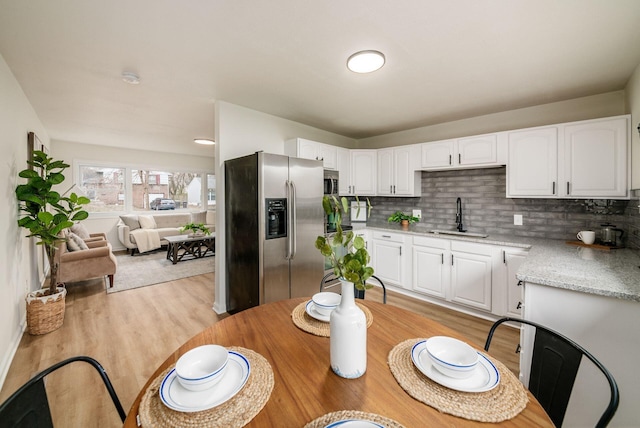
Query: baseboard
[[7, 358]]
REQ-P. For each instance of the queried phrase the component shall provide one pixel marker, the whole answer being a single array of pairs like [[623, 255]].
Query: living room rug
[[154, 268]]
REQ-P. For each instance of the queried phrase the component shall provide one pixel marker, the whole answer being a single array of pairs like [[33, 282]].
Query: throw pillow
[[131, 221], [80, 230], [147, 222], [75, 243]]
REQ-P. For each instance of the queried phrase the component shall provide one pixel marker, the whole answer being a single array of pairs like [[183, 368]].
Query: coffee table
[[185, 247]]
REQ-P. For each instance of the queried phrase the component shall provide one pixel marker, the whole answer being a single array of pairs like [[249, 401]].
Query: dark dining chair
[[28, 407], [554, 366], [330, 280]]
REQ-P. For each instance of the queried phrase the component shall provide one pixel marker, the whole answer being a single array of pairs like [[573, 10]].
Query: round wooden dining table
[[305, 387]]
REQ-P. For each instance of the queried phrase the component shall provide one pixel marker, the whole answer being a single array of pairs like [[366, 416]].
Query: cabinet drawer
[[431, 242], [387, 236]]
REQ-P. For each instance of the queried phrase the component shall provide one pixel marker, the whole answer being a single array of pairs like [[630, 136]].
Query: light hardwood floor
[[132, 332]]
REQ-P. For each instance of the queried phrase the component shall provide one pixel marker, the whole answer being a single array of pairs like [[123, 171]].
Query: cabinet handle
[[504, 257], [518, 348], [400, 251], [567, 187], [451, 259], [459, 158], [386, 236], [553, 192], [390, 188], [441, 258], [519, 282], [449, 159], [394, 189], [519, 305]]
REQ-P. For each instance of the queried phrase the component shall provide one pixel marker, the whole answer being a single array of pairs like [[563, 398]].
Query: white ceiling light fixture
[[130, 78], [204, 141], [365, 61]]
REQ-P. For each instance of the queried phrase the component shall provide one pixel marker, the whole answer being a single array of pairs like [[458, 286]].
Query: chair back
[[29, 407], [554, 366]]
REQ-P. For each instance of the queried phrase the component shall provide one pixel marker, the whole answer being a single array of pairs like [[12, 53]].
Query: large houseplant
[[348, 325], [46, 213]]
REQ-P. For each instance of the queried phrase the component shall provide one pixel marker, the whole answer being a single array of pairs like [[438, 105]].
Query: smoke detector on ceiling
[[130, 77]]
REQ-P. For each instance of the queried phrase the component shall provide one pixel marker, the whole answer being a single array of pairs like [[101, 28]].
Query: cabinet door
[[385, 172], [438, 154], [363, 172], [328, 155], [404, 172], [343, 163], [596, 159], [514, 292], [307, 149], [430, 271], [471, 279], [479, 150], [532, 170], [387, 261]]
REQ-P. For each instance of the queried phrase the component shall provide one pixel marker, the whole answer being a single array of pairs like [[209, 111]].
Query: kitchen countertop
[[612, 273]]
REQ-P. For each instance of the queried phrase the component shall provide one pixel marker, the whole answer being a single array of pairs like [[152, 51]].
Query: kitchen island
[[590, 295]]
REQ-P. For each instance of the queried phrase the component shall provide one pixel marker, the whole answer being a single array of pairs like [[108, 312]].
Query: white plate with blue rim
[[313, 313], [354, 423], [176, 397], [485, 376]]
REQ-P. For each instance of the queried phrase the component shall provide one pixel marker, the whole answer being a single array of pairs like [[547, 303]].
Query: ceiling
[[446, 60]]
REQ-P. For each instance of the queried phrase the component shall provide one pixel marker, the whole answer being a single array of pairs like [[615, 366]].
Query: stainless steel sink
[[455, 232]]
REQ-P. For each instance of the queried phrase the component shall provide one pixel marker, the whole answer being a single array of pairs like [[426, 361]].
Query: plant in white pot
[[348, 324], [46, 213]]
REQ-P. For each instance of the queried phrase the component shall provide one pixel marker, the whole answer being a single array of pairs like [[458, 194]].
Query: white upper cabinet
[[397, 171], [307, 149], [532, 169], [358, 175], [595, 159], [588, 159], [470, 152]]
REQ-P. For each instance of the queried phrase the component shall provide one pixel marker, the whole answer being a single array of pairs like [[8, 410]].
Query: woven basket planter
[[45, 313]]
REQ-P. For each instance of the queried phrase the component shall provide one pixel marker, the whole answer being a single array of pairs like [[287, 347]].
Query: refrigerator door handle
[[292, 224]]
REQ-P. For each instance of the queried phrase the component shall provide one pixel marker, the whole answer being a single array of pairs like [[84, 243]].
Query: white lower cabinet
[[512, 258], [388, 257], [456, 271]]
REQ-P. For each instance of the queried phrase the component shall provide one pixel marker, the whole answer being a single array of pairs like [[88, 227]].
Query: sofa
[[161, 225], [96, 260]]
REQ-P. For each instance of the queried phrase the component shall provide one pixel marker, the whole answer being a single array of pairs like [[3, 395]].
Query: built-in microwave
[[331, 182]]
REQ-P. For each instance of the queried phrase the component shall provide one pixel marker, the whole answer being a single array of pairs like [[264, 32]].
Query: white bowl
[[452, 357], [325, 302], [202, 367]]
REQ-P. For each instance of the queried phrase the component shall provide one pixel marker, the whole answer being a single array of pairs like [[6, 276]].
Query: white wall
[[19, 272], [73, 153], [241, 131], [632, 101], [603, 105]]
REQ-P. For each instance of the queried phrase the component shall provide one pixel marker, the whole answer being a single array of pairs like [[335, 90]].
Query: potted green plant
[[46, 213], [196, 229], [402, 218], [348, 325]]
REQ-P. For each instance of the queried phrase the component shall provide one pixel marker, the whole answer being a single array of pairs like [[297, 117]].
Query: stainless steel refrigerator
[[273, 215]]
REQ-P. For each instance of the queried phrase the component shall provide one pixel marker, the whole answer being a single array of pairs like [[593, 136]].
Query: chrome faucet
[[459, 215]]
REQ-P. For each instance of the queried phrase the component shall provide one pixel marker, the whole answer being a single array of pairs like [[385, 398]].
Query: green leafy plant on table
[[353, 266], [46, 213], [195, 228]]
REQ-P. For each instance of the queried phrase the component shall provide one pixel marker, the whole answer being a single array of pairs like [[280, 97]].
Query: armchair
[[98, 260]]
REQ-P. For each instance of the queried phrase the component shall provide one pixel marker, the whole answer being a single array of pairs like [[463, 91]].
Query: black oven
[[330, 182]]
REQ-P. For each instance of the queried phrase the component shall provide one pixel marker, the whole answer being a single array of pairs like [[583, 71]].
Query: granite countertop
[[612, 273]]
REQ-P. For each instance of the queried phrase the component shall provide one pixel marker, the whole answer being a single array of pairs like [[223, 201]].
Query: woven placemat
[[307, 323], [501, 403], [236, 412], [330, 418]]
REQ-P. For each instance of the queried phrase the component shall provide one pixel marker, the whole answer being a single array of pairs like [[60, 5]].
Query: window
[[134, 189], [103, 186]]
